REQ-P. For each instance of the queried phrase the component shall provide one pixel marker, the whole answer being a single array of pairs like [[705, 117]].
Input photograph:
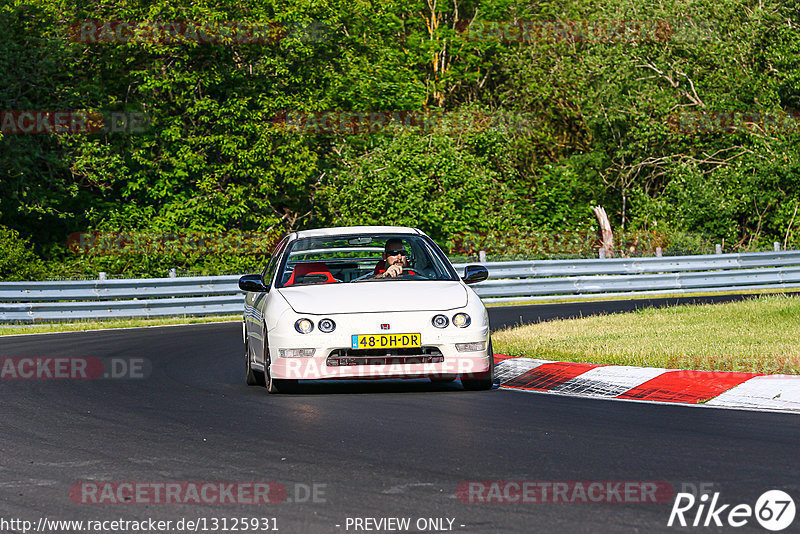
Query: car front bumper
[[317, 368], [334, 357]]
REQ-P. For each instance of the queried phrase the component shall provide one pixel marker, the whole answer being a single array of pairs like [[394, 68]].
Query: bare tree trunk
[[605, 229]]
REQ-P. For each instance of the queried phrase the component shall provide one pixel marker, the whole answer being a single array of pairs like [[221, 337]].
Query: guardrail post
[[101, 275], [482, 256], [172, 273], [718, 248], [602, 253], [776, 246], [658, 252]]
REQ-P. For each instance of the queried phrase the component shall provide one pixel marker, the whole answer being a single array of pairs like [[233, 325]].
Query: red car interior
[[313, 268]]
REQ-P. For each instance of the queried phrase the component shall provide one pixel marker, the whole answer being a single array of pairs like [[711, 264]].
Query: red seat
[[303, 269]]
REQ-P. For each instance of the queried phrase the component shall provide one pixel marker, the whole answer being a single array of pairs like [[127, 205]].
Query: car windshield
[[359, 258]]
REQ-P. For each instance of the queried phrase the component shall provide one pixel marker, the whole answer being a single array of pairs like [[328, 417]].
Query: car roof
[[347, 230]]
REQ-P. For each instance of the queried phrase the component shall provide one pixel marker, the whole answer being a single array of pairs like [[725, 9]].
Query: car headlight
[[440, 321], [461, 320], [326, 325], [304, 326]]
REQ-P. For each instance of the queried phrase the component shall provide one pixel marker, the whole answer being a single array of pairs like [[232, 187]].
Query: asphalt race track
[[374, 450]]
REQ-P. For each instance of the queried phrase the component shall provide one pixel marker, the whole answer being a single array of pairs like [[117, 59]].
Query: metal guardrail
[[130, 288], [125, 298], [517, 281], [28, 302]]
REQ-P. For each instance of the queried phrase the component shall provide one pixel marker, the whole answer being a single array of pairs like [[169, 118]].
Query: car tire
[[276, 385], [252, 377], [482, 381]]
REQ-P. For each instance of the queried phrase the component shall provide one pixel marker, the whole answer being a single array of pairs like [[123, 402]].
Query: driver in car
[[395, 260]]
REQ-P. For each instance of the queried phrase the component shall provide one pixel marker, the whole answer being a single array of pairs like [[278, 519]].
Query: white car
[[326, 306]]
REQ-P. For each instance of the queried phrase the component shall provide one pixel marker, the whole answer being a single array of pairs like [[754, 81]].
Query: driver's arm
[[392, 271]]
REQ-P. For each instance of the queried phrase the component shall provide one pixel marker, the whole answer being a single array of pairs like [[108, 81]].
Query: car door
[[255, 303]]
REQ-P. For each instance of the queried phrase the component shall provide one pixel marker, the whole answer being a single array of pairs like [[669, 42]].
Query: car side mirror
[[253, 283], [474, 274]]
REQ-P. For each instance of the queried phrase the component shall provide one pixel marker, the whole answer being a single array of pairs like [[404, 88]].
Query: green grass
[[756, 335], [6, 330], [666, 295]]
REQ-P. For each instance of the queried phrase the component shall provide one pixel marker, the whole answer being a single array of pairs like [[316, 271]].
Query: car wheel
[[252, 377], [276, 385], [482, 381]]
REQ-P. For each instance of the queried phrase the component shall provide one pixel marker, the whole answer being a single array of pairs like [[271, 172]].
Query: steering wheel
[[407, 274], [410, 274]]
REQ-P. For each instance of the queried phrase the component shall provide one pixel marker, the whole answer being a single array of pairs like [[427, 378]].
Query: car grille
[[348, 357]]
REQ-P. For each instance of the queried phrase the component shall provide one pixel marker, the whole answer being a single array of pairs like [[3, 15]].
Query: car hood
[[366, 297]]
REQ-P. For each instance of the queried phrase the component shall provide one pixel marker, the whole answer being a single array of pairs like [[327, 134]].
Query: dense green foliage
[[603, 125], [17, 260]]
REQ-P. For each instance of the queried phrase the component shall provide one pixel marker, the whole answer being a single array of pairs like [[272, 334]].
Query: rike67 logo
[[774, 510]]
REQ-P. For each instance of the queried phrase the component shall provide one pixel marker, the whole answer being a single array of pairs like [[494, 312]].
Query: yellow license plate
[[386, 341]]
